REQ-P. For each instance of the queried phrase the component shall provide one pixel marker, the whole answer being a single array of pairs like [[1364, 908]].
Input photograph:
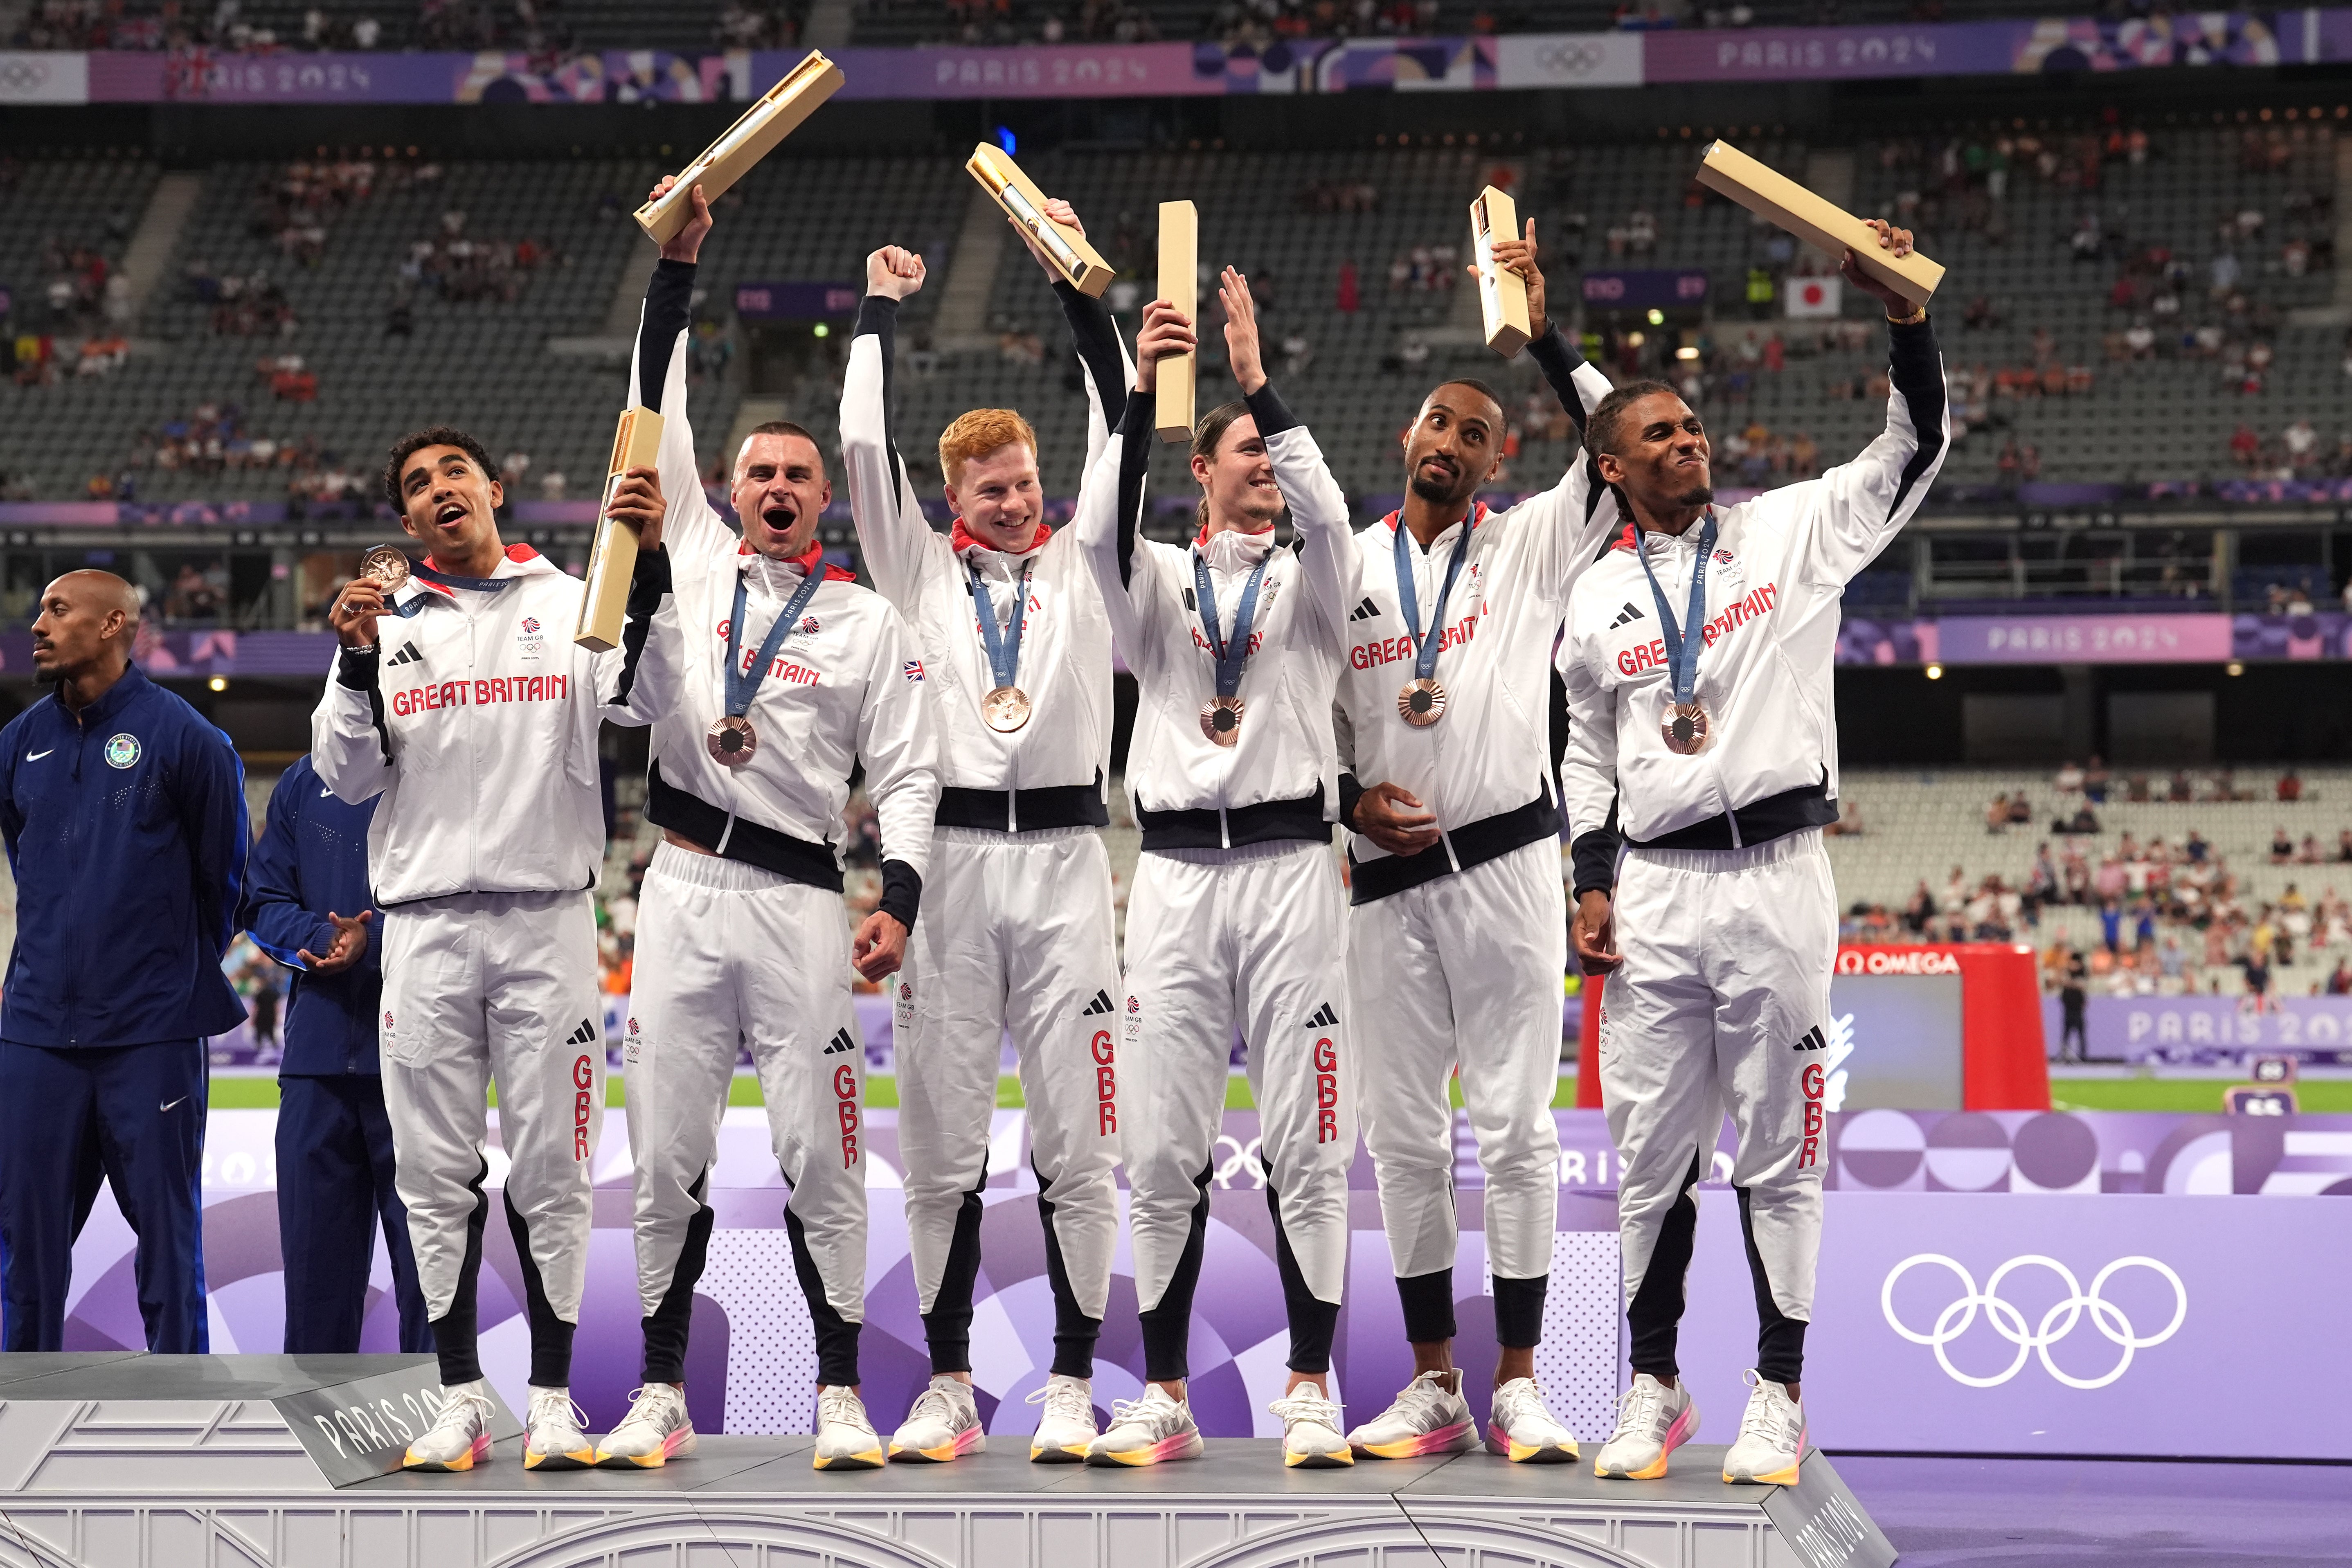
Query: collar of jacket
[[961, 539], [117, 696]]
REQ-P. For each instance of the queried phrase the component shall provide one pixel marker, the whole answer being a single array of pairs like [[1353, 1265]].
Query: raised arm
[[1318, 507], [658, 380], [1095, 334], [1577, 515], [1856, 507], [894, 537], [350, 745], [1110, 504]]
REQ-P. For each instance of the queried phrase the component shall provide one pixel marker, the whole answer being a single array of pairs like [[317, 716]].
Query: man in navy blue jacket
[[124, 817], [307, 905]]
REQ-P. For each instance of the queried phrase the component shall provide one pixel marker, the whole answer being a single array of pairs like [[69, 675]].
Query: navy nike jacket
[[126, 829], [312, 857]]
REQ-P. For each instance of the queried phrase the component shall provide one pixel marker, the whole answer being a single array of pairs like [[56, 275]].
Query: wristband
[[1918, 314]]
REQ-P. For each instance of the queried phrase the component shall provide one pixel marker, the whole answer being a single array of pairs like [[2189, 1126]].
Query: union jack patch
[[913, 669]]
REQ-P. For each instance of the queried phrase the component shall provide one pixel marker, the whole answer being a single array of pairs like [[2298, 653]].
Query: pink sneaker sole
[[1445, 1439]]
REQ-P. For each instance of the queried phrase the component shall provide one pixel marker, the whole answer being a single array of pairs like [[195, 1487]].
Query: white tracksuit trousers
[[1019, 933], [729, 953], [1464, 973], [480, 986], [1215, 937], [1721, 1004]]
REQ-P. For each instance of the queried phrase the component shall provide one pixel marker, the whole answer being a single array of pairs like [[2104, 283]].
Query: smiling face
[[1453, 445], [999, 497], [779, 493], [1658, 454], [447, 503], [1238, 480]]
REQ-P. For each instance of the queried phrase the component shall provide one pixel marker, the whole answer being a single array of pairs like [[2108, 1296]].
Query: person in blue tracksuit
[[307, 905], [123, 811]]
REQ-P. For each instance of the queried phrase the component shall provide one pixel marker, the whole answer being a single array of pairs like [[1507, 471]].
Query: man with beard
[[124, 816], [460, 705], [1703, 726], [1456, 941], [1235, 917], [1017, 655], [789, 674]]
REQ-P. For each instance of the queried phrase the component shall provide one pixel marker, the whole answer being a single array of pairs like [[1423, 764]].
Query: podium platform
[[132, 1461]]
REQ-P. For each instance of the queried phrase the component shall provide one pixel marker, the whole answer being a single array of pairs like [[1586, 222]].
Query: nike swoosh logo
[[325, 792], [181, 1101], [37, 756]]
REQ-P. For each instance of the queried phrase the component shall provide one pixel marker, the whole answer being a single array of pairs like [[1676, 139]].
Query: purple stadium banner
[[2207, 1031], [1627, 59], [2088, 638], [2155, 1216], [796, 300]]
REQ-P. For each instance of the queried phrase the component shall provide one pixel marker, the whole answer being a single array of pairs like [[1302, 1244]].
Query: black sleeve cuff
[[1593, 858], [1270, 412], [1351, 792], [1559, 363], [1135, 418], [902, 892], [356, 668], [649, 579], [876, 313]]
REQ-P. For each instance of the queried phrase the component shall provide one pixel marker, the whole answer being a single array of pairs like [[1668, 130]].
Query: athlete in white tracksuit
[[1236, 914], [461, 704], [741, 933], [1456, 946], [1723, 901], [1021, 935]]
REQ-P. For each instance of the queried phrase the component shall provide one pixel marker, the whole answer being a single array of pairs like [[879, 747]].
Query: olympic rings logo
[[1571, 59], [2056, 1323]]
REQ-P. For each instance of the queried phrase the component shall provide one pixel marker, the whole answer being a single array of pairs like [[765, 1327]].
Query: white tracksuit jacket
[[845, 686], [1236, 913], [1725, 910], [1455, 954], [475, 722], [1022, 936]]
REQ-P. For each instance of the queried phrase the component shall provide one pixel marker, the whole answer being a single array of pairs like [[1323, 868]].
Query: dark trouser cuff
[[454, 1346], [1428, 1306], [1780, 1351], [836, 1354], [1166, 1343], [551, 1354], [1312, 1324], [1518, 1311]]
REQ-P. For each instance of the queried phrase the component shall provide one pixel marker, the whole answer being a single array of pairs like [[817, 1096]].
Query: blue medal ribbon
[[1427, 646], [1682, 659], [450, 580], [1228, 654], [1003, 644], [742, 686]]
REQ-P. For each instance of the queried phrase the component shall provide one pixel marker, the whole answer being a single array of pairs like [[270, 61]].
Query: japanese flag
[[1815, 296]]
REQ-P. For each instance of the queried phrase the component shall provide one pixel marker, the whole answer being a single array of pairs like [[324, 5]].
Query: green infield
[[2201, 1095]]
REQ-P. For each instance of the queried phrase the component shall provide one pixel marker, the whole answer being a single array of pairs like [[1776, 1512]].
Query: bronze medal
[[386, 564], [1004, 710], [1221, 720], [1686, 729], [731, 740], [1421, 702]]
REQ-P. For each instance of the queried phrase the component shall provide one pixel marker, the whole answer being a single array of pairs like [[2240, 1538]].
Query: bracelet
[[1918, 314]]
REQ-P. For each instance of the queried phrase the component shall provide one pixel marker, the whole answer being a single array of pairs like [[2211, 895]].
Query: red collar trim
[[962, 539], [1395, 520], [521, 553], [1203, 537], [807, 561]]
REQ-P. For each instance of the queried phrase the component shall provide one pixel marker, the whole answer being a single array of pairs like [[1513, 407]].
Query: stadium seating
[[489, 363]]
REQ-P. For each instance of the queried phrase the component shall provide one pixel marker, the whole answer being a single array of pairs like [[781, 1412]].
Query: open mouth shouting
[[450, 514], [780, 518]]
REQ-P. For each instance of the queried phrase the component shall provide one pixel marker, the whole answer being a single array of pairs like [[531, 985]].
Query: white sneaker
[[1066, 1428], [1772, 1437], [1520, 1428], [460, 1438], [1310, 1429], [656, 1430], [942, 1423], [1146, 1430], [552, 1438], [845, 1439], [1653, 1421], [1429, 1416]]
